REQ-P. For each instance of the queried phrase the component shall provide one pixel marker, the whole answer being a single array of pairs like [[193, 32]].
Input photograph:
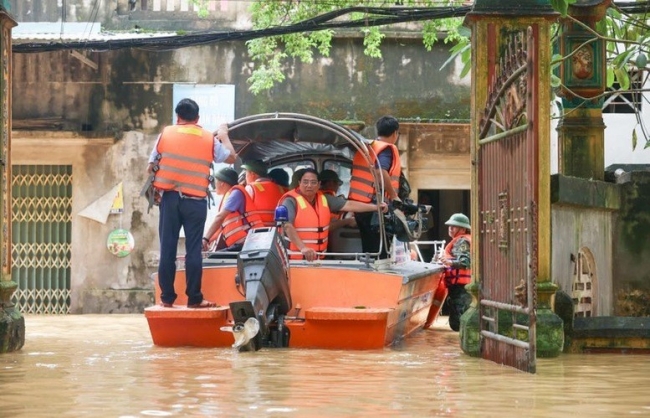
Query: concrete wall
[[132, 89], [590, 229], [632, 248]]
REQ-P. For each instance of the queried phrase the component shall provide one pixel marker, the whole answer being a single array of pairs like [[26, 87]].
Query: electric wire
[[387, 16], [379, 16]]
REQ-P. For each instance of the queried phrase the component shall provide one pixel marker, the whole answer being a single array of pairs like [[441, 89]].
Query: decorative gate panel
[[41, 234], [584, 284], [507, 154]]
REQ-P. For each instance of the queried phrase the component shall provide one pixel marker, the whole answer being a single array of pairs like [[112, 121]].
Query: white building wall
[[618, 136]]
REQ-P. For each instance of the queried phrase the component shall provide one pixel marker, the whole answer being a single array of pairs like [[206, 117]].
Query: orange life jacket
[[235, 226], [362, 185], [312, 223], [456, 275], [186, 153], [266, 195]]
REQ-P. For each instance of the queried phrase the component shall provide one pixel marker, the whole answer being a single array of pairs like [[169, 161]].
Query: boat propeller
[[244, 333]]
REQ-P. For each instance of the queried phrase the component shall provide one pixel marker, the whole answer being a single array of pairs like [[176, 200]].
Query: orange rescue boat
[[346, 300]]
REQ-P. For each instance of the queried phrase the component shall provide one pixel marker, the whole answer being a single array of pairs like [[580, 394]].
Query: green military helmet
[[458, 219]]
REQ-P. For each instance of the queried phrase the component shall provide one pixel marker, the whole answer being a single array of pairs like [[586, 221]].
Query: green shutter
[[41, 237]]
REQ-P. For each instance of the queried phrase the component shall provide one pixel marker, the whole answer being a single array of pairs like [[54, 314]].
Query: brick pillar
[[581, 131]]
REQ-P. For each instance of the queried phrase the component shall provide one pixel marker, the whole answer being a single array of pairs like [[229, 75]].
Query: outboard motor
[[263, 270]]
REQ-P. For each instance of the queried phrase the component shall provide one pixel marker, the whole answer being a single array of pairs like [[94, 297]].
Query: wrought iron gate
[[41, 236], [507, 153]]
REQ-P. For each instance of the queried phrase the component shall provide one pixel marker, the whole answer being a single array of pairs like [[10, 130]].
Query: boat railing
[[438, 248], [217, 256], [368, 258]]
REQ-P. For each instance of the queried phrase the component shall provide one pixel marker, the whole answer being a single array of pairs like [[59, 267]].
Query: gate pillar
[[511, 321], [12, 323], [581, 131]]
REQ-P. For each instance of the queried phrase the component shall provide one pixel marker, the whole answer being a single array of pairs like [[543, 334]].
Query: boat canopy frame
[[271, 137]]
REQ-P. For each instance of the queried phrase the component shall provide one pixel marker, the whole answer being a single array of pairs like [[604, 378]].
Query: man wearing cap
[[180, 165], [329, 184], [458, 273], [229, 228], [264, 192]]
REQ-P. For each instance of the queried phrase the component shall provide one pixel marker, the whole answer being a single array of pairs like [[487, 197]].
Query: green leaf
[[556, 60], [623, 78], [458, 49], [464, 31], [614, 13], [372, 42], [555, 81], [466, 55], [610, 77], [634, 139], [561, 6], [466, 70], [621, 59]]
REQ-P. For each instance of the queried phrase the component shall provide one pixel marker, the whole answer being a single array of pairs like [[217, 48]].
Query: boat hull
[[335, 306]]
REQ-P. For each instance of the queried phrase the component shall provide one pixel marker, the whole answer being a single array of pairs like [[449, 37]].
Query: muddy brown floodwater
[[107, 366]]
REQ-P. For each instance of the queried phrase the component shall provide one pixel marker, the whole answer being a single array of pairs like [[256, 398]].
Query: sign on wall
[[118, 201], [120, 242], [216, 106], [216, 102]]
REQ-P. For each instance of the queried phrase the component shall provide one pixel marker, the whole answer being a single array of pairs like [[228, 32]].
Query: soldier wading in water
[[458, 273]]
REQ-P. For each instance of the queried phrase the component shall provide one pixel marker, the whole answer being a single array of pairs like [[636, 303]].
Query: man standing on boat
[[265, 192], [309, 214], [180, 162], [235, 216], [384, 161], [458, 273]]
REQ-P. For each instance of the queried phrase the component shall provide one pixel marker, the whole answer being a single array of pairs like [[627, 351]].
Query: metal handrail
[[438, 245]]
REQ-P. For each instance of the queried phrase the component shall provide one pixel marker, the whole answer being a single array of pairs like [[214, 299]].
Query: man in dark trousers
[[384, 161], [180, 162]]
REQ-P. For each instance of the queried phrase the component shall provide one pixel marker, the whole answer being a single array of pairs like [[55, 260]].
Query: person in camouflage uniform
[[458, 273]]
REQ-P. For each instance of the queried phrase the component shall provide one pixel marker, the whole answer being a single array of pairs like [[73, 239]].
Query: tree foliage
[[270, 53]]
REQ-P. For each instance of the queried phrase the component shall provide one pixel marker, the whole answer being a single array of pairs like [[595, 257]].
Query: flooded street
[[107, 366]]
